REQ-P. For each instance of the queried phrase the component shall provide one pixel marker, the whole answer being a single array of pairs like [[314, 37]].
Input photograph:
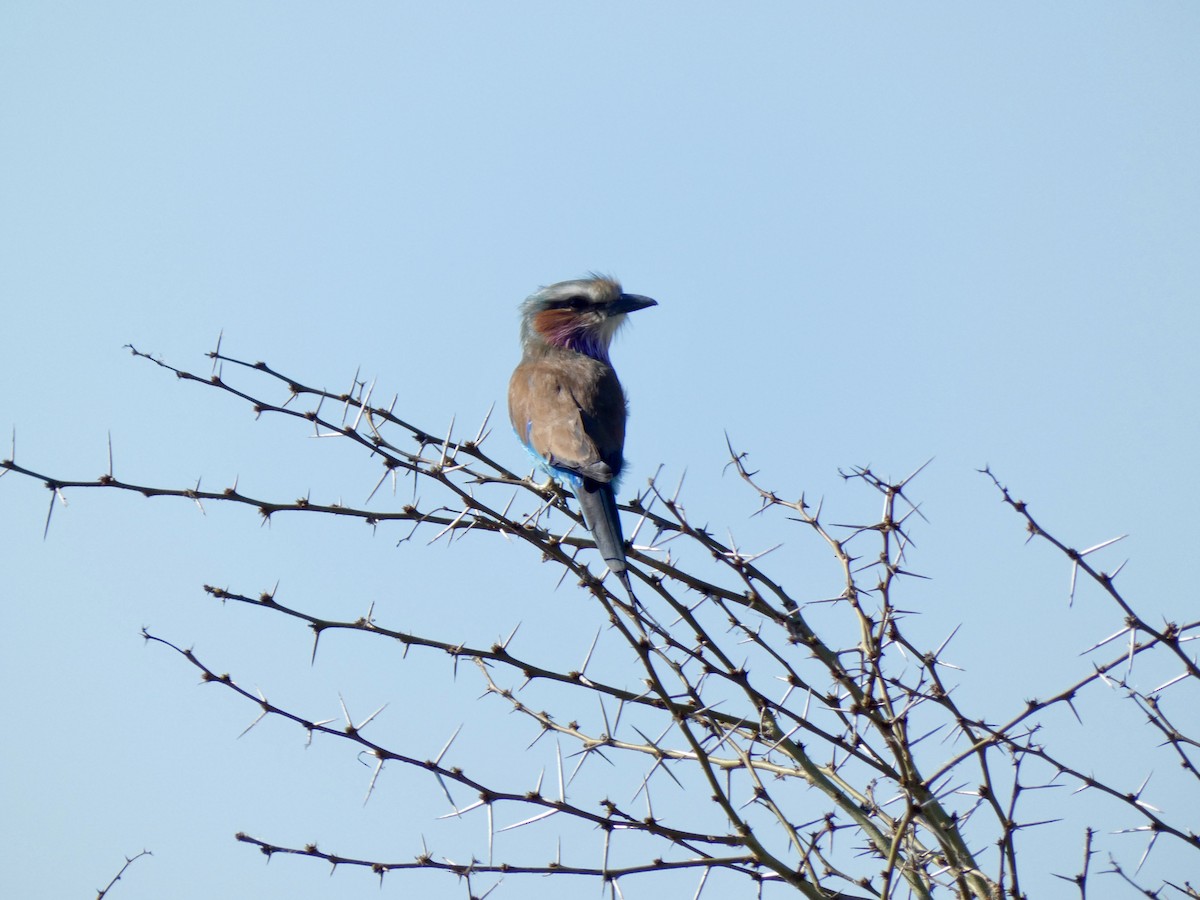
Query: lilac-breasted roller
[[565, 401]]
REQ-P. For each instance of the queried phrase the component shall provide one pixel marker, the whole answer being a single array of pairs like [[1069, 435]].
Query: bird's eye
[[577, 302]]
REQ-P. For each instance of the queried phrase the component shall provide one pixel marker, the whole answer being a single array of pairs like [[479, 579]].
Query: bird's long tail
[[599, 505]]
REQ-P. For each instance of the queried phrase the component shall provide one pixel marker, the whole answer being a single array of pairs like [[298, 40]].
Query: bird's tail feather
[[599, 505]]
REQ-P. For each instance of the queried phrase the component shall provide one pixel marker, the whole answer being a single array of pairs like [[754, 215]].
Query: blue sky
[[878, 234]]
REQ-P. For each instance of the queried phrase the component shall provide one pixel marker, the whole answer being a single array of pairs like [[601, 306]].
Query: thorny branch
[[129, 861], [848, 735]]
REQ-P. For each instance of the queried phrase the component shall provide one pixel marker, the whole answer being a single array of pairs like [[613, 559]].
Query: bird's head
[[581, 315]]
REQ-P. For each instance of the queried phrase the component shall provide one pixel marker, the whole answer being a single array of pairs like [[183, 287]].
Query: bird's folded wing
[[561, 419]]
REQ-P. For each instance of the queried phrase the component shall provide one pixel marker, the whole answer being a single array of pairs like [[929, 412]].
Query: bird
[[566, 404]]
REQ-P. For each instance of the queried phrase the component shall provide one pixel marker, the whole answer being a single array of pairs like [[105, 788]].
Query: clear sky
[[878, 234]]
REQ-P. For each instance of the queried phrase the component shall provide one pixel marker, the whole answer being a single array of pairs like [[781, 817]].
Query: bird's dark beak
[[628, 303]]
